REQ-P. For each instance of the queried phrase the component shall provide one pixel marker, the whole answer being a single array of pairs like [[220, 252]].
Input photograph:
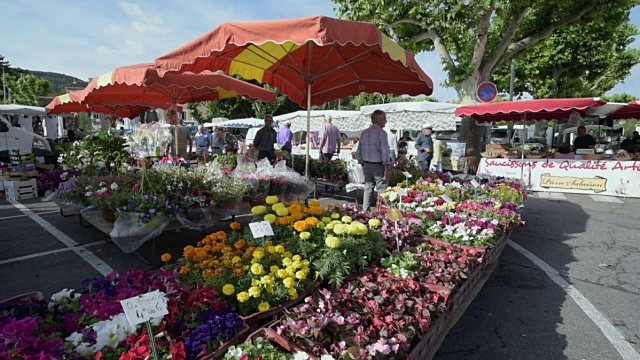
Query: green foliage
[[99, 153], [620, 98], [257, 347], [26, 89], [58, 81]]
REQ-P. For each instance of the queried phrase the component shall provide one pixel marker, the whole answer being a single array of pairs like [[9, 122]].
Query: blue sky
[[86, 38]]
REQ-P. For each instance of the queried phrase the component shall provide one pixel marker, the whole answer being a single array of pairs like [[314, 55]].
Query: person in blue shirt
[[202, 140], [424, 145]]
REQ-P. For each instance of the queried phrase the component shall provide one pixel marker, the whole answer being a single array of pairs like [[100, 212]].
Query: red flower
[[244, 357], [98, 356], [178, 352], [136, 353]]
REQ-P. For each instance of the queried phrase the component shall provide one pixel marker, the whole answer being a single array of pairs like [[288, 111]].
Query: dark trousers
[[271, 155], [324, 156]]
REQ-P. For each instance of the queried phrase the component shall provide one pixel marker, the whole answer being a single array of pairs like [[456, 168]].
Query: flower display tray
[[254, 320], [67, 208], [31, 296], [219, 353], [269, 334]]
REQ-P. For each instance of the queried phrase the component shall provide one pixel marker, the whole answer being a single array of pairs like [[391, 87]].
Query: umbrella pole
[[306, 164], [524, 132]]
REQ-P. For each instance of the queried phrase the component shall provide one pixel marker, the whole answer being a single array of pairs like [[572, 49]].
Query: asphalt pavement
[[568, 287]]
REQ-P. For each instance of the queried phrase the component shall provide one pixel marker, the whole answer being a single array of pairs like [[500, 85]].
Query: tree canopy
[[26, 89]]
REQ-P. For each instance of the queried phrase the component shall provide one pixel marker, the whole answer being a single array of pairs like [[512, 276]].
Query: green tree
[[26, 89], [584, 59], [475, 38], [620, 98]]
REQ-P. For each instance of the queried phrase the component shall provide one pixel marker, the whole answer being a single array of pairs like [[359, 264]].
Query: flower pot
[[109, 215], [256, 201], [32, 296], [230, 204]]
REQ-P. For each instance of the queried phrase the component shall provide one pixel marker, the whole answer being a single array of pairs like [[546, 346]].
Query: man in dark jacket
[[424, 145]]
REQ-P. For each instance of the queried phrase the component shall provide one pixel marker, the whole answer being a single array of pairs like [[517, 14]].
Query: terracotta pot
[[109, 215], [230, 204]]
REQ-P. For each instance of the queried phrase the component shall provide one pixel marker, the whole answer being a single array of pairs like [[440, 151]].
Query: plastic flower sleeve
[[247, 172], [197, 219], [289, 185], [129, 233]]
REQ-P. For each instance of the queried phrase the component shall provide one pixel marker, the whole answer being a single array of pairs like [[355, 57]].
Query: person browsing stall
[[373, 155], [329, 140], [265, 139], [393, 145], [214, 138], [584, 140], [202, 140], [183, 134], [285, 136], [424, 145]]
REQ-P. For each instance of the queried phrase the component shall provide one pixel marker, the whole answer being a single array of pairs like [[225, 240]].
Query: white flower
[[65, 293], [326, 357], [101, 164], [114, 186], [74, 338], [235, 353], [301, 356], [88, 194]]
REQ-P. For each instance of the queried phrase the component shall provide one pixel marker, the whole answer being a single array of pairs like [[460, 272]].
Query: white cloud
[[131, 9]]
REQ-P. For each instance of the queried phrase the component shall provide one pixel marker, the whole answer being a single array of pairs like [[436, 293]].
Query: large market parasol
[[312, 60], [539, 109], [72, 103]]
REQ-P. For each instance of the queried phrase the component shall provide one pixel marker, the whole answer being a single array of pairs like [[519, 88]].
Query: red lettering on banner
[[620, 166], [589, 165]]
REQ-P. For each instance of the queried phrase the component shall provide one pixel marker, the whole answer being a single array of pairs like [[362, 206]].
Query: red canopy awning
[[631, 111], [540, 109], [72, 103]]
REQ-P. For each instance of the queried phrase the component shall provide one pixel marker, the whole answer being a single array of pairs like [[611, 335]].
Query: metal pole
[[308, 145], [512, 85], [4, 87]]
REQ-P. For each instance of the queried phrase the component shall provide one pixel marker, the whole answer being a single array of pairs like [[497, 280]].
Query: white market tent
[[341, 118], [242, 123], [23, 110], [413, 115], [214, 122]]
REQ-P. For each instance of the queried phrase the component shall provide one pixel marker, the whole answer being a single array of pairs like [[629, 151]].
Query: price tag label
[[402, 192], [446, 198], [406, 173], [475, 184], [145, 307], [261, 229]]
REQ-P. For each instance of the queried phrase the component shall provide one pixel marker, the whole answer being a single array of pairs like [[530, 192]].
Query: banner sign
[[595, 177]]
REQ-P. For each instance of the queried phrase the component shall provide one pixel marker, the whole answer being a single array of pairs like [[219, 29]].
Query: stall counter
[[593, 177]]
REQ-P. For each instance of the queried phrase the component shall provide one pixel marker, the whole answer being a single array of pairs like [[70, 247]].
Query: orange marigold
[[201, 255], [184, 270], [238, 272], [285, 220], [235, 225], [221, 235], [297, 216], [189, 252], [314, 203], [312, 221], [208, 274], [295, 208], [300, 226], [240, 244], [316, 211], [218, 247]]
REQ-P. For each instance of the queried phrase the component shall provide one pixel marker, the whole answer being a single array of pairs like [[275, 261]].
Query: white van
[[17, 138]]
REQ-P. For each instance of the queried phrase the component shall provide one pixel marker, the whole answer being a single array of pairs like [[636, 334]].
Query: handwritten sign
[[402, 192], [475, 184], [446, 198], [406, 173], [145, 307], [261, 229]]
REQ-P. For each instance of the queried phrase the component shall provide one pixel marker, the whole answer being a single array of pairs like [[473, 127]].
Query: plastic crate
[[20, 189]]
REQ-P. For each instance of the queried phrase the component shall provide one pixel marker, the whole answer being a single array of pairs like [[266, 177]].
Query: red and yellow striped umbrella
[[72, 103]]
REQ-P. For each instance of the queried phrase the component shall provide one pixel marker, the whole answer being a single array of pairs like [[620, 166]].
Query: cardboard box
[[497, 147]]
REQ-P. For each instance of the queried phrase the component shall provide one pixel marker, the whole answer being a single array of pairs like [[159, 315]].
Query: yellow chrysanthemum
[[296, 258], [279, 249], [255, 291], [346, 219], [293, 293], [329, 226], [314, 203], [332, 242], [335, 216], [287, 254], [236, 259], [321, 225], [282, 212], [272, 200], [300, 226], [306, 263], [286, 261], [271, 249], [326, 219], [258, 254], [277, 206], [259, 210], [264, 306], [300, 275], [243, 296], [289, 282], [282, 273], [274, 268], [255, 282], [296, 264], [270, 218], [374, 222], [340, 229], [228, 289], [257, 269], [305, 235]]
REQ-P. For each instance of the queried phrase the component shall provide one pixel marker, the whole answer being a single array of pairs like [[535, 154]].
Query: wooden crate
[[20, 189]]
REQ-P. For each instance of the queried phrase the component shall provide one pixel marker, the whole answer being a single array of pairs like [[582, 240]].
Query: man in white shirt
[[393, 145], [373, 155]]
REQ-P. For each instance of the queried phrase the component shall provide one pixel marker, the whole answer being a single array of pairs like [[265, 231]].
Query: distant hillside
[[58, 81]]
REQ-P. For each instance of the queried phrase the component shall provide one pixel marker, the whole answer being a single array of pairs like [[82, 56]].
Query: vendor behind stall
[[584, 140]]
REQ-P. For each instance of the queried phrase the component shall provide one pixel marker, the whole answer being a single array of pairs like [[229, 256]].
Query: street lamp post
[[4, 87]]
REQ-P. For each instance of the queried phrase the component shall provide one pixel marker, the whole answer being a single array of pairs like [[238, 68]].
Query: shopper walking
[[373, 155]]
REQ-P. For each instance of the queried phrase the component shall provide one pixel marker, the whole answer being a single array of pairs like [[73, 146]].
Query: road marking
[[87, 255], [610, 332], [609, 199], [31, 256], [553, 196], [17, 216]]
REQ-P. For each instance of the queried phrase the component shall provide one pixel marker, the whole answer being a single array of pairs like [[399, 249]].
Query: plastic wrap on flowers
[[246, 171], [214, 171], [50, 196], [129, 233], [197, 219], [355, 172], [149, 141], [266, 174], [290, 185]]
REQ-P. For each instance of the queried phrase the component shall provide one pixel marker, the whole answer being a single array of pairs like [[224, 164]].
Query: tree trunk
[[472, 134]]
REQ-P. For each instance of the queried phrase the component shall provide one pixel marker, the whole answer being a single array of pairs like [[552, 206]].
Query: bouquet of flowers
[[96, 154], [109, 192]]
